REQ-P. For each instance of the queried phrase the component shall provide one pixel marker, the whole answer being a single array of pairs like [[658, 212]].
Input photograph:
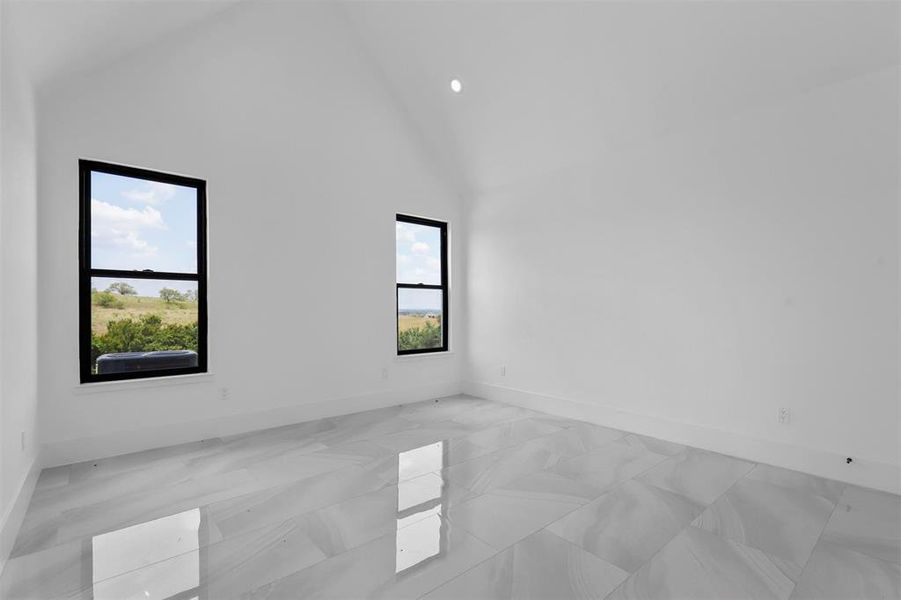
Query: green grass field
[[179, 313], [184, 313]]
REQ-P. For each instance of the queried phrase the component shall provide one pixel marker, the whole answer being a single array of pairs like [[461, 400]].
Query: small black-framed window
[[422, 295], [142, 273]]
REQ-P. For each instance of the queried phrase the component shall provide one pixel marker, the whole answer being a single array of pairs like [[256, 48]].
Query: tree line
[[146, 334], [108, 299]]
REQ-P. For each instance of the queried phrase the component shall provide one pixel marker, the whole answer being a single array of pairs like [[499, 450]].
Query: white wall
[[708, 278], [307, 161], [18, 291]]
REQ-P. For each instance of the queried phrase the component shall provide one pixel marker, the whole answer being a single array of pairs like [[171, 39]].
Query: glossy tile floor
[[461, 498]]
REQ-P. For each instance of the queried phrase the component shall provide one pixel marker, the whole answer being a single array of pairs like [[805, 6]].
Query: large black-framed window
[[142, 273], [422, 294]]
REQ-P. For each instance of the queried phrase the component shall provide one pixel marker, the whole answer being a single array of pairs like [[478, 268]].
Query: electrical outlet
[[784, 416], [384, 373], [503, 370], [223, 393]]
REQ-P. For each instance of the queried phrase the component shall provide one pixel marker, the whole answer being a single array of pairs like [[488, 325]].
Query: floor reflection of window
[[420, 502], [419, 461], [157, 559]]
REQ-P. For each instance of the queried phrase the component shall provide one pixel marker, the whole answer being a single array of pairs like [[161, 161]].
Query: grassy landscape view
[[127, 322], [122, 321], [135, 307], [418, 329]]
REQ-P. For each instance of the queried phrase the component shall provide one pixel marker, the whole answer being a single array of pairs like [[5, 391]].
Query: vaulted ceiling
[[54, 39], [550, 83], [546, 83]]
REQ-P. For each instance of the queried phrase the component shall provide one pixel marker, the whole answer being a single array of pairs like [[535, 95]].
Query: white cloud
[[420, 248], [154, 193], [402, 233], [126, 241], [120, 228], [130, 218]]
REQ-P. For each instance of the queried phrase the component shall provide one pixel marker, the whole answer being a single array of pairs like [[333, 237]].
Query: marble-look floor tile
[[548, 485], [511, 512], [65, 487], [351, 523], [540, 567], [115, 466], [781, 521], [51, 478], [274, 504], [494, 414], [351, 428], [127, 508], [425, 434], [153, 556], [501, 436], [243, 563], [588, 436], [867, 521], [128, 562], [359, 453], [442, 408], [51, 573], [702, 476], [223, 570], [406, 564], [803, 482], [399, 501], [629, 524], [653, 444], [837, 573], [609, 465], [306, 430], [500, 467], [290, 465], [91, 490], [699, 565]]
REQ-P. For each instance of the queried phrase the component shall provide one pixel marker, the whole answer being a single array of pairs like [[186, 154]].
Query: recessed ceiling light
[[456, 86]]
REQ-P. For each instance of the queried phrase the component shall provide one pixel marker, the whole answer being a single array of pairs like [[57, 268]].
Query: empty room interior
[[450, 300]]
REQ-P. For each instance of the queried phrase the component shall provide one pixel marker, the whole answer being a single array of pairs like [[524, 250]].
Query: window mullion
[[171, 276]]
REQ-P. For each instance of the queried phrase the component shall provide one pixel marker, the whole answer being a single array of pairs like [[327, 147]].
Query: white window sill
[[98, 387], [423, 356]]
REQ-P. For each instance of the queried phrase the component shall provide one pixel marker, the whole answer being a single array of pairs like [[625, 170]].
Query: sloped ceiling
[[552, 83], [547, 84], [55, 39]]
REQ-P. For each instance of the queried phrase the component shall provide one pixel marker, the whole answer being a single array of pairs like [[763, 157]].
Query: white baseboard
[[11, 520], [123, 442], [872, 474]]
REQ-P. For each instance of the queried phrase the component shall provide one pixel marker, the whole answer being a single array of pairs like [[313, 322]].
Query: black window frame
[[86, 272], [445, 301]]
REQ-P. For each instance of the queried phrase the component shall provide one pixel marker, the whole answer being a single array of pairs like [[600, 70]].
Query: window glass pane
[[419, 319], [418, 253], [142, 325], [140, 224]]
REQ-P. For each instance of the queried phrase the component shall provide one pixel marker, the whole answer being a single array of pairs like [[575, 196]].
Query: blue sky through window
[[418, 261], [139, 224]]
